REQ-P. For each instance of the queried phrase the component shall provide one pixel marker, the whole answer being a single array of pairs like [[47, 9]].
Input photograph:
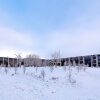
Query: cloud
[[85, 43], [12, 42], [79, 36], [78, 33], [80, 39]]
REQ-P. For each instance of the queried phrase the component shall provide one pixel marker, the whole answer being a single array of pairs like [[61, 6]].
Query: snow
[[84, 85]]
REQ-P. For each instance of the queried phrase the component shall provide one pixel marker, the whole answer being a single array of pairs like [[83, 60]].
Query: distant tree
[[18, 63], [69, 62], [32, 60], [65, 63], [19, 59], [74, 63], [56, 58], [8, 62], [44, 63]]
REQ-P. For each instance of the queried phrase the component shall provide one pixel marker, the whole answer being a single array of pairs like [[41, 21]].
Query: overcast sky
[[45, 26]]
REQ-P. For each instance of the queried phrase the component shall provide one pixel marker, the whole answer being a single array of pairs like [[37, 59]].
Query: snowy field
[[57, 84]]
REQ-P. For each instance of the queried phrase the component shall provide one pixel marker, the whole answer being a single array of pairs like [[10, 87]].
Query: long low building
[[6, 61], [90, 60]]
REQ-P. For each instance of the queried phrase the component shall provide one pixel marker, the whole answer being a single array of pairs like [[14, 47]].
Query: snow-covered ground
[[84, 85]]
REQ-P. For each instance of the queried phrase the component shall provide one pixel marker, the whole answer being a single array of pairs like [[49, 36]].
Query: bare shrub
[[85, 67], [64, 67], [73, 81], [70, 74], [55, 78], [65, 63], [36, 68], [24, 69], [15, 69], [79, 68], [51, 68], [43, 74], [6, 70]]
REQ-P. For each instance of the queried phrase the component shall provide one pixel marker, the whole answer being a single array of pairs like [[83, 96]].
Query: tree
[[44, 62], [18, 62], [19, 59], [65, 63], [32, 60], [74, 63], [56, 59]]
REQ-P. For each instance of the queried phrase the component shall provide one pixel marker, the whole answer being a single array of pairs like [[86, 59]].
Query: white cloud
[[85, 43], [12, 42], [80, 37]]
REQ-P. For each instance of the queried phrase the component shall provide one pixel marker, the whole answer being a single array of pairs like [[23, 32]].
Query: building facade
[[90, 60]]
